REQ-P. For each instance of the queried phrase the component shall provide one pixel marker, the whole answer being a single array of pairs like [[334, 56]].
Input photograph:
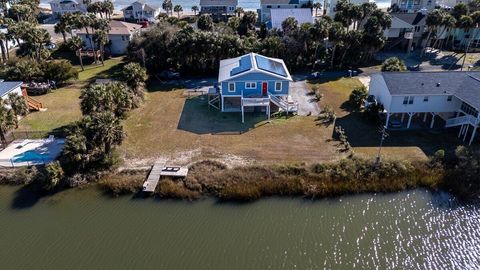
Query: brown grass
[[123, 183]]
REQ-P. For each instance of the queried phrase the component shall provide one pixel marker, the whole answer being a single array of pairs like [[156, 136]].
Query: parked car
[[169, 75], [50, 46], [395, 124]]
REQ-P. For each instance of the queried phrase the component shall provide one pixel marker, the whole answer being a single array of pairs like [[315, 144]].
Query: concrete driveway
[[307, 105]]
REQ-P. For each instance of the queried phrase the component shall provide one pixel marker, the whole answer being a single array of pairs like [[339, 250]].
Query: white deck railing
[[462, 120], [255, 101]]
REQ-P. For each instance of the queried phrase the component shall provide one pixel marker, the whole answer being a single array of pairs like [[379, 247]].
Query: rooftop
[[463, 84], [279, 2], [117, 28], [7, 87], [411, 18], [234, 67]]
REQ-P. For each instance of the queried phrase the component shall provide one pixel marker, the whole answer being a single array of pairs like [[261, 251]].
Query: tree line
[[326, 43]]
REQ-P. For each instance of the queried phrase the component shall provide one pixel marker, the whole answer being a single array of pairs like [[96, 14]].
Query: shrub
[[205, 22], [393, 64], [54, 175], [59, 71], [327, 116], [123, 183], [168, 188], [357, 97]]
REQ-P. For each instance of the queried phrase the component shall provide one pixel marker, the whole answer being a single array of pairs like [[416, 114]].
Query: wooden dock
[[153, 178]]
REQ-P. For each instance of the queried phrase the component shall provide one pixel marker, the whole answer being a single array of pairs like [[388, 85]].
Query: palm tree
[[76, 45], [135, 76], [435, 18], [107, 7], [101, 38], [8, 120], [466, 23], [195, 10], [317, 6], [61, 28], [335, 36], [107, 131], [167, 6], [239, 11], [86, 22], [178, 9]]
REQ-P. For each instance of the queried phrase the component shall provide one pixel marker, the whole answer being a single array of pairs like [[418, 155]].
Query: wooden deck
[[153, 178]]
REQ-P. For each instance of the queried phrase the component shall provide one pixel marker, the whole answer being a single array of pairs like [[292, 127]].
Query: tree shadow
[[29, 195], [197, 117]]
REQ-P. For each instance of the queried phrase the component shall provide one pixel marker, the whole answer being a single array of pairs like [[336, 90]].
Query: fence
[[23, 135], [11, 163]]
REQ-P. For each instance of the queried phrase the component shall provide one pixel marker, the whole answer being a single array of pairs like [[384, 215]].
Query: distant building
[[302, 15], [413, 6], [254, 82], [446, 98], [218, 7], [140, 11], [119, 36], [266, 6], [60, 7], [406, 31]]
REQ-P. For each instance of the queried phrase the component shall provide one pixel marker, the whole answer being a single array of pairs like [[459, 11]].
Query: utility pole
[[384, 133]]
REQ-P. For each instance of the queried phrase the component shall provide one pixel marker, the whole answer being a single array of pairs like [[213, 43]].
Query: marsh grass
[[247, 183]]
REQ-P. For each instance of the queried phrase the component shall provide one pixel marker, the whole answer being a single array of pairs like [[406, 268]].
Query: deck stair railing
[[462, 120], [283, 104]]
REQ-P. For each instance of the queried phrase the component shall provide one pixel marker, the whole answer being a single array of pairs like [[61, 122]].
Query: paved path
[[306, 103]]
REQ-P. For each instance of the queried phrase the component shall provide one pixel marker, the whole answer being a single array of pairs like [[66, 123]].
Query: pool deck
[[30, 152]]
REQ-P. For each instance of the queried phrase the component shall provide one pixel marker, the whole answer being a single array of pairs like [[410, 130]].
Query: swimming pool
[[32, 156]]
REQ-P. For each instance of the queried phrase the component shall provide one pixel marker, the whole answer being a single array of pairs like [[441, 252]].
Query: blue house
[[254, 82]]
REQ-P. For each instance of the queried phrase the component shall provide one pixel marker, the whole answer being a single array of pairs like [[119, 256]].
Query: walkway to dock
[[153, 178]]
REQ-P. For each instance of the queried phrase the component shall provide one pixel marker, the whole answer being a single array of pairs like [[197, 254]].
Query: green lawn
[[111, 69], [63, 105]]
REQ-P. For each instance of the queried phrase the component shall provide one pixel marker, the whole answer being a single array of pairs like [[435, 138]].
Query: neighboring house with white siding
[[278, 16], [119, 36], [453, 96], [140, 11], [60, 7], [10, 87]]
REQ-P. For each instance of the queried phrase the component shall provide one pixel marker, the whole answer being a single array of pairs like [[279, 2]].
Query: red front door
[[264, 88]]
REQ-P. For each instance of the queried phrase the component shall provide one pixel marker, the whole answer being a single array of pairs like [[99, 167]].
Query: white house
[[60, 7], [10, 87], [266, 6], [302, 15], [140, 11], [412, 6], [119, 36], [452, 98], [218, 7]]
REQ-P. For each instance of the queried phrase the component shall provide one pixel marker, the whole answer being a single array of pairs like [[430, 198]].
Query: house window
[[425, 99], [449, 98], [408, 100], [269, 6], [278, 86], [250, 85], [231, 87]]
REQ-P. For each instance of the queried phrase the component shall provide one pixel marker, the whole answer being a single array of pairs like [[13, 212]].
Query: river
[[83, 229]]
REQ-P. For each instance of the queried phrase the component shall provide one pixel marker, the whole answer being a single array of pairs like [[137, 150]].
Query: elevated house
[[448, 99], [119, 36], [266, 7], [139, 11], [254, 83], [406, 31], [60, 7], [278, 16], [218, 7]]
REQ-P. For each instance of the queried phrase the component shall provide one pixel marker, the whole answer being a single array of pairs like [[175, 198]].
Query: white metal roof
[[227, 65]]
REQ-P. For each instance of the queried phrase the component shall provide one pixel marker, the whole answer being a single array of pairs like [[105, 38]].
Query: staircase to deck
[[32, 103], [462, 120], [284, 104]]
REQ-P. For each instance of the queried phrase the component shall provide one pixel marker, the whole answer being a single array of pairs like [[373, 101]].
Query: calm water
[[187, 4], [85, 230]]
